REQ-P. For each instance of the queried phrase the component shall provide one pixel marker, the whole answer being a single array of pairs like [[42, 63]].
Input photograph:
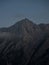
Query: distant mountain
[[19, 26], [24, 43]]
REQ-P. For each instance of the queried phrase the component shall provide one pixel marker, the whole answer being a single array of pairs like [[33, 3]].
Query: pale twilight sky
[[12, 11]]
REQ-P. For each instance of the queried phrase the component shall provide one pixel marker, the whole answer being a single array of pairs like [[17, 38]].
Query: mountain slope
[[44, 28], [24, 43]]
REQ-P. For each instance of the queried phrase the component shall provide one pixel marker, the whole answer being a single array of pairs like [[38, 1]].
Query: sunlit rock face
[[24, 43]]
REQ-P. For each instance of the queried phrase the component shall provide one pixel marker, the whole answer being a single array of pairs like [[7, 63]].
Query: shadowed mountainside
[[24, 43]]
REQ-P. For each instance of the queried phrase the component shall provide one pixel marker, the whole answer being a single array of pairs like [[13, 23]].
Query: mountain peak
[[26, 19], [23, 24]]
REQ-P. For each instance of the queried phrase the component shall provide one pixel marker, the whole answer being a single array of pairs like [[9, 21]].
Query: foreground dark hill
[[24, 43]]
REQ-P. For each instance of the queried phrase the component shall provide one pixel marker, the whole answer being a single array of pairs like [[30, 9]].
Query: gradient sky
[[12, 11]]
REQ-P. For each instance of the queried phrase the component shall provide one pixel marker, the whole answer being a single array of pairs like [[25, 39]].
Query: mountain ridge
[[25, 22]]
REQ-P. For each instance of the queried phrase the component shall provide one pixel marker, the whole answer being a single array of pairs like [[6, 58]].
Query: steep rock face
[[24, 43]]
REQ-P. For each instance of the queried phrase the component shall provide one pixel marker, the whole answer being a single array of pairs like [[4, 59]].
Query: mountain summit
[[25, 23]]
